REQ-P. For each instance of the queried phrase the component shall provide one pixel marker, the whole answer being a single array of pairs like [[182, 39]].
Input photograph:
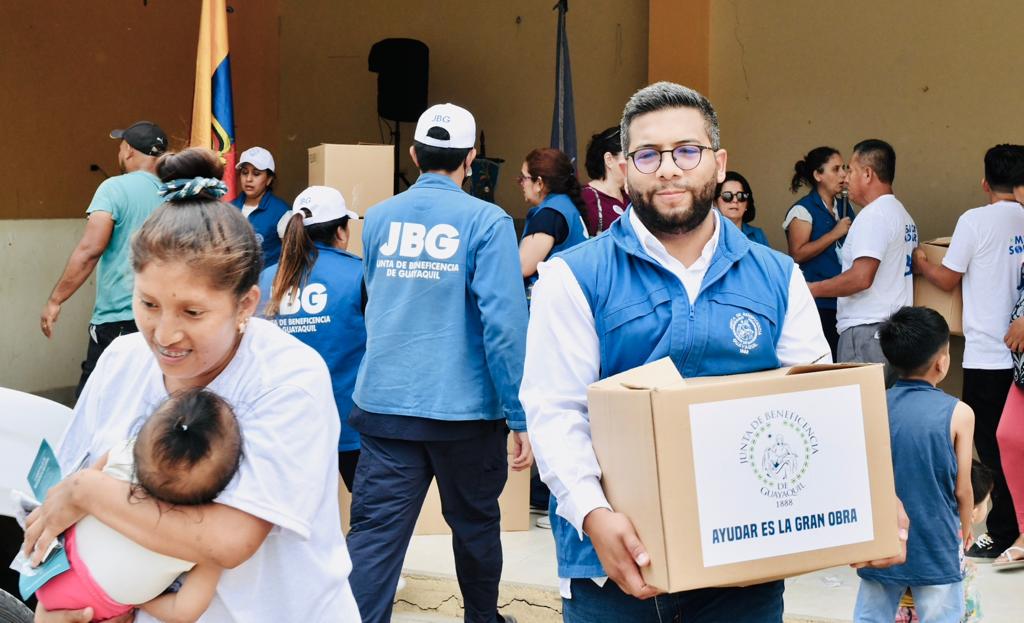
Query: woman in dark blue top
[[555, 220], [816, 225], [735, 201], [265, 212]]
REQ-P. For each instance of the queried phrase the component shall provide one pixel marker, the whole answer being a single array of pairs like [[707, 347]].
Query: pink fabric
[[1010, 436], [76, 589]]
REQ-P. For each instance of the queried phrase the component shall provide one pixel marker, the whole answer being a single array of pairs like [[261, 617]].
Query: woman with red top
[[603, 196]]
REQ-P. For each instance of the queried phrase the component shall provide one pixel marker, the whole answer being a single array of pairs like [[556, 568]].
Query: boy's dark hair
[[878, 155], [432, 158], [911, 338], [189, 449], [982, 481], [1004, 167]]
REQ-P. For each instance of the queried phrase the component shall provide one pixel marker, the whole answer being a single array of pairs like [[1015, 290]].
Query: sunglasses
[[728, 196]]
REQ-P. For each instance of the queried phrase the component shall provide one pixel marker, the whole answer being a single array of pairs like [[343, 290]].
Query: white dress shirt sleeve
[[802, 340], [562, 360]]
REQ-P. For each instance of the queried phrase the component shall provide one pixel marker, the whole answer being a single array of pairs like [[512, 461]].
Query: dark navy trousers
[[392, 478]]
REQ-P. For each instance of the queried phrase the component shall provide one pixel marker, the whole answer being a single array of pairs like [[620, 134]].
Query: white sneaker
[[544, 522]]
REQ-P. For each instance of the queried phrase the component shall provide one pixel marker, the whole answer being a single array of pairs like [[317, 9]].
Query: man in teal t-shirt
[[118, 209]]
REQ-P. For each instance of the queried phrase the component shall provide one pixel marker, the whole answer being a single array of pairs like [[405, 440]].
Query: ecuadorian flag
[[213, 116]]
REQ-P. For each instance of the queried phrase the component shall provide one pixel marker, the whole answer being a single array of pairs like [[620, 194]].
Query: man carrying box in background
[[986, 253], [876, 278], [445, 324], [668, 279]]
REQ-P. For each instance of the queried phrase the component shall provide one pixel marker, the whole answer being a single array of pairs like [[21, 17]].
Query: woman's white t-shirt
[[281, 392], [988, 248]]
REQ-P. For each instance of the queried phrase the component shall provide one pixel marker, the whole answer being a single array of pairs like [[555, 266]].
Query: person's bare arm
[[191, 601], [532, 251], [859, 278], [802, 248], [98, 229], [210, 533], [936, 274], [962, 432], [1014, 337]]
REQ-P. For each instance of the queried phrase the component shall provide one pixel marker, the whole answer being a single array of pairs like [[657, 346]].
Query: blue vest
[[826, 264], [642, 313], [264, 221], [924, 464], [577, 229], [445, 316], [754, 234], [328, 316]]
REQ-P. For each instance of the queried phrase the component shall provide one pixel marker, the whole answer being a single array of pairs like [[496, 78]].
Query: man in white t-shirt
[[876, 279], [986, 253]]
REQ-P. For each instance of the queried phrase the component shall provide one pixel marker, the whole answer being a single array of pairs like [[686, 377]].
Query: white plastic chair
[[25, 420]]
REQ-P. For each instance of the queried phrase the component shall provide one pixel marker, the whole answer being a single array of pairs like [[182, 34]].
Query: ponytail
[[298, 254], [803, 170]]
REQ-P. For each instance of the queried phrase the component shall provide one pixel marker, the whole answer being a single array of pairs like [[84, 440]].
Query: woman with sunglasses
[[735, 202], [816, 225], [555, 220]]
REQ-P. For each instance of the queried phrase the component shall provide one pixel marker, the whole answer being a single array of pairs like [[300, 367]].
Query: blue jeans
[[937, 603], [591, 603]]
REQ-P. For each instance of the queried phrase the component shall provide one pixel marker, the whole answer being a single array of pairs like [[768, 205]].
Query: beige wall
[[70, 72], [935, 79], [494, 58], [28, 361]]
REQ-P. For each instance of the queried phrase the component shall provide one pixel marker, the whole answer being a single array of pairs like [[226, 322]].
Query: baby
[[185, 454]]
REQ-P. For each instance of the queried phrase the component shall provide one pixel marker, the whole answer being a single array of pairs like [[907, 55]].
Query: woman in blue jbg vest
[[315, 293], [555, 220], [264, 210], [816, 225]]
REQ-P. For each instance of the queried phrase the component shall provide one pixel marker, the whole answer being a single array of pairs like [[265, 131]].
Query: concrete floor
[[826, 595]]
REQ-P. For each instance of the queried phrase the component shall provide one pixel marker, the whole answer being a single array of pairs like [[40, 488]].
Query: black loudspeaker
[[402, 68]]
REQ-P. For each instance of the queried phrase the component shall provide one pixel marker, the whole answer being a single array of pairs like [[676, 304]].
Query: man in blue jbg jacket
[[437, 390]]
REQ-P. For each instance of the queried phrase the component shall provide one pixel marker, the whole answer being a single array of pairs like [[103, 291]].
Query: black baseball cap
[[144, 136]]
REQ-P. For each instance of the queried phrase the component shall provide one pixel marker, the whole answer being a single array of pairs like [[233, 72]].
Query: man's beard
[[659, 223]]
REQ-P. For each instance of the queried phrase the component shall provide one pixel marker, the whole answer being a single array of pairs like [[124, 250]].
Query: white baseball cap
[[458, 122], [323, 203], [257, 157]]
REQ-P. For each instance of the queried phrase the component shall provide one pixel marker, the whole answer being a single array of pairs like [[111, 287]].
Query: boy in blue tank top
[[932, 436]]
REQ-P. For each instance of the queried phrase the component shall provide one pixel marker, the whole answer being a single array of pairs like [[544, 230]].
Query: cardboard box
[[741, 479], [363, 173], [949, 304], [514, 502]]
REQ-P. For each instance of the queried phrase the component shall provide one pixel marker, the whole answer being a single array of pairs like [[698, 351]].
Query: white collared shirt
[[563, 359]]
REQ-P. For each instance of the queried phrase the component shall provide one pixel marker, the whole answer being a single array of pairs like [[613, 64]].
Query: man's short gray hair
[[661, 95]]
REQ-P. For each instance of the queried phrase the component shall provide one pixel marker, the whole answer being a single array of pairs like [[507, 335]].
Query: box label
[[780, 474]]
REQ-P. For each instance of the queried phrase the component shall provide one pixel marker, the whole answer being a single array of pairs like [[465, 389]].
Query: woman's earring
[[242, 325]]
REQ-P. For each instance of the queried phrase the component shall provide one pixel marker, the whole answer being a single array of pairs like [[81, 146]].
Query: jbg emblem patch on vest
[[745, 330]]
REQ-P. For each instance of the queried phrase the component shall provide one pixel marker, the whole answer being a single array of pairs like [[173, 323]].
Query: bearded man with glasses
[[666, 280]]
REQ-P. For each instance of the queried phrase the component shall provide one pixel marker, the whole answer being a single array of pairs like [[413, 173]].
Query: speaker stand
[[396, 139]]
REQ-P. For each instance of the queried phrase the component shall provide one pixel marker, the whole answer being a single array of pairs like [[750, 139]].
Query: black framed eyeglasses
[[525, 178], [648, 160], [728, 196]]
